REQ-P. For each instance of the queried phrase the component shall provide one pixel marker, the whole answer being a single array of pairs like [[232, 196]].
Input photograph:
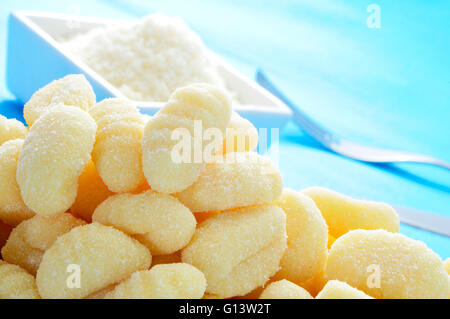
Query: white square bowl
[[35, 58]]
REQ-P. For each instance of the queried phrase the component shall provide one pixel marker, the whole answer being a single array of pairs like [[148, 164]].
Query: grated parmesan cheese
[[147, 59]]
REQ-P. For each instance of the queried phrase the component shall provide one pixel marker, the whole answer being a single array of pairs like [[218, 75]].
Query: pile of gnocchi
[[94, 205]]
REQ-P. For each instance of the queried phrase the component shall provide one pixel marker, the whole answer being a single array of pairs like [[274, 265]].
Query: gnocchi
[[235, 180], [12, 208], [307, 233], [343, 213], [117, 151], [173, 281], [238, 250], [335, 289], [16, 283], [31, 238], [72, 89], [102, 255], [11, 129], [53, 155], [159, 221], [387, 265], [284, 289], [187, 106]]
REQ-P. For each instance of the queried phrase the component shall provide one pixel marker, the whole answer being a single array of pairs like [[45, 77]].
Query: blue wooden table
[[386, 87]]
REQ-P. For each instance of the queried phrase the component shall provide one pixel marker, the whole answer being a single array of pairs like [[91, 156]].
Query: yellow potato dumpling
[[180, 206], [238, 250], [307, 234], [117, 159], [201, 104], [173, 281], [117, 152], [387, 265], [284, 289], [110, 110], [113, 110], [240, 135], [343, 213], [72, 89], [159, 221], [99, 254], [236, 180], [54, 154], [12, 208], [335, 289], [16, 283], [11, 129], [91, 192], [31, 238]]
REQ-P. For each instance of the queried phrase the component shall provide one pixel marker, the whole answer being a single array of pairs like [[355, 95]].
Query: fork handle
[[342, 146]]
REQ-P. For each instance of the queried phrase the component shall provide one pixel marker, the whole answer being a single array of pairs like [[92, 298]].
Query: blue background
[[387, 87]]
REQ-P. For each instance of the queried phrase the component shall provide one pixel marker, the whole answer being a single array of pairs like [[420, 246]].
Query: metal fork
[[341, 146]]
